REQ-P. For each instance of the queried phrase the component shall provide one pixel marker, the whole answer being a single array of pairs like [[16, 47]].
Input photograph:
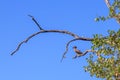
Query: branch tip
[[35, 21]]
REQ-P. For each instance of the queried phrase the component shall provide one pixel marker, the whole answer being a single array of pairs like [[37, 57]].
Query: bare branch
[[25, 41], [79, 53], [49, 31], [84, 53], [108, 3], [36, 22], [68, 43]]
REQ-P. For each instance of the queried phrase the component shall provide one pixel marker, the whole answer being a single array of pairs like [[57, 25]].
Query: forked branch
[[51, 31], [76, 37], [68, 43]]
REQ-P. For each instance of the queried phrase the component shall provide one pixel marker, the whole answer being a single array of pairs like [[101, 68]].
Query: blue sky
[[39, 59]]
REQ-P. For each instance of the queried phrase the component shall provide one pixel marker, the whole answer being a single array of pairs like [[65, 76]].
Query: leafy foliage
[[114, 12], [105, 62]]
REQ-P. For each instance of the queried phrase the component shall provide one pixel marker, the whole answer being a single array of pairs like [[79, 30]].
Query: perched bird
[[78, 52]]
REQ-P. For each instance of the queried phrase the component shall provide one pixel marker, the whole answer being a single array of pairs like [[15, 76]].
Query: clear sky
[[39, 59]]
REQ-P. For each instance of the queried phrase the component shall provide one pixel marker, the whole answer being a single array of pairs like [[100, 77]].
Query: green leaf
[[96, 19]]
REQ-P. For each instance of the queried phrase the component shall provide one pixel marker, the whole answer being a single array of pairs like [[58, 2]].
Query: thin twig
[[36, 22], [84, 53]]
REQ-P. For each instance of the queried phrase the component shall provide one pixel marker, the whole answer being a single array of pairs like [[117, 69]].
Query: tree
[[105, 57]]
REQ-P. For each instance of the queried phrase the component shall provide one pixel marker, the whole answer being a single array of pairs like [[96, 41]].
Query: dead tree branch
[[50, 31], [76, 37]]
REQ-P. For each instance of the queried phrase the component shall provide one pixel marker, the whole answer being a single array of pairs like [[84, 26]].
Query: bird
[[78, 52]]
